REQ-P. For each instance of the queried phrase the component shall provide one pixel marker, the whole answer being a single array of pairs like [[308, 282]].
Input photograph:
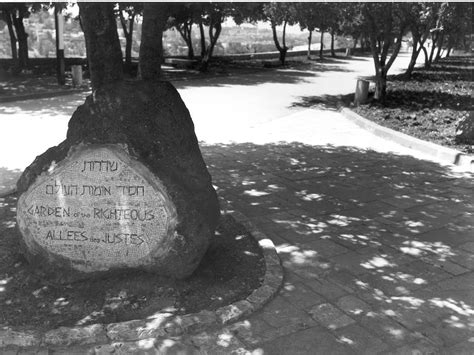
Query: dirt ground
[[232, 268], [431, 104]]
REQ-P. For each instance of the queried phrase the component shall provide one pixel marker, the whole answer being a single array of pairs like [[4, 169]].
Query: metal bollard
[[362, 92], [76, 75]]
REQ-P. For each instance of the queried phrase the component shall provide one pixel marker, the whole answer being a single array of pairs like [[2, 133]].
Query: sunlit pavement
[[377, 243]]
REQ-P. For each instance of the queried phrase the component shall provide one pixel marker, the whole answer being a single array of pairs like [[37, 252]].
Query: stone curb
[[162, 324], [41, 95], [437, 152]]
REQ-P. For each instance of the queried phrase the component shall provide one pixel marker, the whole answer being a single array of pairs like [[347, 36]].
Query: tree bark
[[128, 34], [425, 52], [333, 53], [309, 43], [214, 33], [13, 40], [282, 49], [185, 30], [22, 38], [203, 39], [440, 47], [414, 54], [434, 40], [103, 47], [321, 46], [155, 16], [355, 42], [381, 86]]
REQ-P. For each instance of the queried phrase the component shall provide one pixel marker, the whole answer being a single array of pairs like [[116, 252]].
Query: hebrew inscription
[[99, 208]]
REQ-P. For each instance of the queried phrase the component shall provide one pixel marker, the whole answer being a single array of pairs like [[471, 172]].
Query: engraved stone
[[99, 209], [127, 189]]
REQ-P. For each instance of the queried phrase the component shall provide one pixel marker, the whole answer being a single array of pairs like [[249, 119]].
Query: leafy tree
[[212, 16], [385, 24], [13, 14], [455, 22], [6, 13], [103, 47], [307, 14], [280, 14], [351, 18], [127, 13], [421, 18], [183, 17]]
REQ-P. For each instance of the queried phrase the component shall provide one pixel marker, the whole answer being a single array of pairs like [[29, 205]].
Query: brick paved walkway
[[377, 245], [377, 249]]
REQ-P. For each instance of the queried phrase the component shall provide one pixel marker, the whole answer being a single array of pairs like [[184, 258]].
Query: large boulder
[[127, 189], [465, 130]]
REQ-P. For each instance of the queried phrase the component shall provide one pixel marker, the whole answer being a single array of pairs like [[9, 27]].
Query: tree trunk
[[22, 38], [433, 47], [309, 43], [103, 47], [321, 46], [186, 33], [355, 42], [381, 86], [155, 16], [282, 49], [203, 39], [414, 55], [425, 52], [440, 47], [128, 34], [448, 52], [128, 50], [214, 33], [13, 40], [60, 64], [333, 53]]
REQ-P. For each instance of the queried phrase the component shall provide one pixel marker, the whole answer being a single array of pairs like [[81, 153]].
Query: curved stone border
[[437, 152], [161, 324]]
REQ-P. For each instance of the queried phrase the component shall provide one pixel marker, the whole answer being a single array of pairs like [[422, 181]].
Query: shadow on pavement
[[324, 102], [292, 74], [381, 240], [8, 179], [63, 105]]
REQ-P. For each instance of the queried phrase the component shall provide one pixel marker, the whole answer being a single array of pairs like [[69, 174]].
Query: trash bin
[[362, 91], [76, 75]]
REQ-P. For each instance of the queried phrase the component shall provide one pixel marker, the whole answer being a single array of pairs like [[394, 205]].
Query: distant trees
[[183, 17], [308, 17], [13, 14], [385, 25], [127, 13], [434, 27], [280, 14]]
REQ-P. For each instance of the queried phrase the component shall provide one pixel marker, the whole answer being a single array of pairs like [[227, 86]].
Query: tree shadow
[[326, 102], [53, 106], [414, 100], [8, 179], [293, 73], [383, 239]]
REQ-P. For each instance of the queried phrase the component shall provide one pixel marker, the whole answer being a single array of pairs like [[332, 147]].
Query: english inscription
[[100, 207]]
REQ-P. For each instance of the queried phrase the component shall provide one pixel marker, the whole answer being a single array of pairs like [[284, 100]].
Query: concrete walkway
[[377, 243]]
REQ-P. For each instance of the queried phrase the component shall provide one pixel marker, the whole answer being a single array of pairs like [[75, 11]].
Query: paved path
[[377, 248], [377, 245]]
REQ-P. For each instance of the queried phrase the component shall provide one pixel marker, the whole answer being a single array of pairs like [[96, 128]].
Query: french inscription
[[97, 208]]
